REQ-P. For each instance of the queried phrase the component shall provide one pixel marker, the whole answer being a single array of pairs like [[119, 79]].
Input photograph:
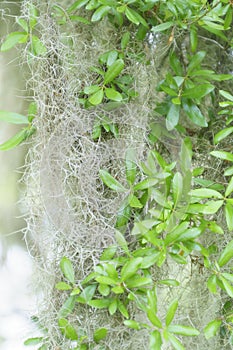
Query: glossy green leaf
[[175, 342], [151, 314], [67, 329], [104, 289], [226, 255], [113, 95], [177, 187], [138, 281], [176, 232], [130, 268], [147, 183], [112, 308], [228, 172], [223, 155], [226, 94], [113, 71], [229, 188], [100, 334], [79, 19], [173, 116], [227, 286], [170, 282], [228, 18], [132, 324], [67, 269], [89, 90], [125, 40], [75, 291], [229, 216], [67, 307], [100, 303], [162, 27], [171, 312], [23, 24], [87, 294], [214, 227], [106, 280], [175, 64], [193, 38], [223, 134], [97, 97], [112, 183], [14, 141], [212, 207], [121, 241], [189, 234], [183, 330], [100, 13], [195, 61], [12, 39], [155, 340], [205, 193], [123, 310], [134, 202], [212, 328], [62, 286], [33, 341], [134, 17], [194, 113], [76, 5], [37, 47], [123, 215], [198, 91], [13, 118], [130, 165], [212, 284]]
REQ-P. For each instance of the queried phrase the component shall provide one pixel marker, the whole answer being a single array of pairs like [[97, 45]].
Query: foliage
[[167, 210]]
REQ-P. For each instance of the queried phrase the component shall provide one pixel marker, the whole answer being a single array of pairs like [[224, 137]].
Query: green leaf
[[205, 193], [175, 342], [132, 324], [212, 284], [173, 116], [14, 141], [67, 269], [104, 289], [76, 5], [229, 188], [123, 310], [198, 91], [229, 216], [228, 18], [100, 13], [138, 281], [212, 207], [227, 286], [100, 334], [171, 312], [113, 95], [144, 184], [32, 111], [86, 294], [23, 24], [176, 232], [212, 328], [226, 94], [67, 307], [162, 27], [13, 118], [223, 134], [100, 303], [37, 46], [177, 187], [134, 202], [125, 40], [193, 38], [113, 71], [89, 90], [189, 234], [223, 155], [67, 329], [12, 39], [63, 286], [135, 17], [112, 183], [228, 172], [151, 314], [183, 330], [226, 255], [170, 282], [75, 291], [155, 340], [195, 61], [130, 268], [106, 280], [130, 164], [175, 64], [97, 97], [121, 241], [194, 113], [123, 215], [33, 341]]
